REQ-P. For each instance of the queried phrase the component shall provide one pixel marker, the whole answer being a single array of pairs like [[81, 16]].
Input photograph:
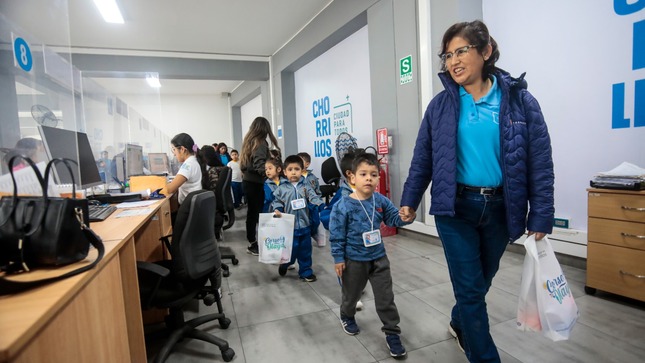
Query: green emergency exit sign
[[405, 66]]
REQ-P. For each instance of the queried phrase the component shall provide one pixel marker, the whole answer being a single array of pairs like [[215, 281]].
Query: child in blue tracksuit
[[273, 170], [359, 253], [293, 197]]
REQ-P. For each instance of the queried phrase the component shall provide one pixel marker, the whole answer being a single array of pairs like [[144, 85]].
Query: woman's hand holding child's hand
[[339, 267], [407, 214]]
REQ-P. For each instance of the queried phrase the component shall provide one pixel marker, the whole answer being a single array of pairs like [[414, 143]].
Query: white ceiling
[[233, 27], [199, 28]]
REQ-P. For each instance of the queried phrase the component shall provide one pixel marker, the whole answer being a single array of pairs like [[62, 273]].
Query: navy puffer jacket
[[527, 166]]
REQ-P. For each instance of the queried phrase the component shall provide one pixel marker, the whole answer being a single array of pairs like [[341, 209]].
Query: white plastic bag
[[321, 237], [545, 302], [275, 238]]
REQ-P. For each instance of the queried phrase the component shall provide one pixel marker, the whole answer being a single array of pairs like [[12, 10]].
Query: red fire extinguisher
[[383, 187]]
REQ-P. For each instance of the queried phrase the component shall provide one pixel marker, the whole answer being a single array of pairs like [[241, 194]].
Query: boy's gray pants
[[377, 272]]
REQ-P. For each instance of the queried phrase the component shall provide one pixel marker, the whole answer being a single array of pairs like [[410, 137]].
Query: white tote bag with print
[[275, 238], [545, 302]]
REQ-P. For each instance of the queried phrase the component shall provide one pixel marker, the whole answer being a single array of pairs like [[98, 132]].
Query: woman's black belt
[[479, 190]]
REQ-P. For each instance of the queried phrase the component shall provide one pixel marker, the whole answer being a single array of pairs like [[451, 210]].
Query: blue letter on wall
[[618, 107], [638, 56], [639, 103], [621, 7]]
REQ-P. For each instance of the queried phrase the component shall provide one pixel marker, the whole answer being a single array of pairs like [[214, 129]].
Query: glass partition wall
[[40, 87]]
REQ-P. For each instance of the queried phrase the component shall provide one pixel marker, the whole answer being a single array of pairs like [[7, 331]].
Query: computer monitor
[[133, 160], [159, 163], [61, 143]]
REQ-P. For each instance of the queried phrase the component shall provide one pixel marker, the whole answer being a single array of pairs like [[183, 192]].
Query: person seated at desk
[[189, 176]]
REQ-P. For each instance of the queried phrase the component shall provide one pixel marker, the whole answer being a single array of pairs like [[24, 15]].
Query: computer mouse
[[93, 202]]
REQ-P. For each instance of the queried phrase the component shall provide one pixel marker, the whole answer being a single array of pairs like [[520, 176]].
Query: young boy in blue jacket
[[293, 197], [359, 253]]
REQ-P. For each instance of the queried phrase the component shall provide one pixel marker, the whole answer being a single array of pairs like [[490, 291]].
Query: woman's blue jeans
[[474, 241]]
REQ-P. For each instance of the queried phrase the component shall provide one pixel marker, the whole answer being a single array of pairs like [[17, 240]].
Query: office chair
[[225, 210], [331, 176], [171, 284]]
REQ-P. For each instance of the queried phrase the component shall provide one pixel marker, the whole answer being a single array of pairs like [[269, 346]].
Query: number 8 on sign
[[22, 54]]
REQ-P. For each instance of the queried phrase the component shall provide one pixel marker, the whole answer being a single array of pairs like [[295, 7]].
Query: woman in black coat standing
[[255, 153]]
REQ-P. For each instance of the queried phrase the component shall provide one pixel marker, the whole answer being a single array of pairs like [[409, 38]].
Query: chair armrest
[[166, 241], [153, 268]]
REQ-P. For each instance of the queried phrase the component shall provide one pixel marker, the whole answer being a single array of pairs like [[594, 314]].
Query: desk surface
[[22, 316]]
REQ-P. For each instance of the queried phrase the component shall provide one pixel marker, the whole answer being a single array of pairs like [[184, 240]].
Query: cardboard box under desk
[[143, 182]]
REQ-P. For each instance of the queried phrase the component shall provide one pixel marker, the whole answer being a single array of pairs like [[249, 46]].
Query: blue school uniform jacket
[[286, 192], [269, 187]]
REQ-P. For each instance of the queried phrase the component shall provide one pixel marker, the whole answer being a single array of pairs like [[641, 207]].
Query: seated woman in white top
[[189, 176]]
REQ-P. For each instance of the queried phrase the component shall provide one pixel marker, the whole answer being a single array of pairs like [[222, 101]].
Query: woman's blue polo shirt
[[478, 149]]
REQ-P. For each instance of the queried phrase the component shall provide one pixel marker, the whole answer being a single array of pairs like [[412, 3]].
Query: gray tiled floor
[[281, 319]]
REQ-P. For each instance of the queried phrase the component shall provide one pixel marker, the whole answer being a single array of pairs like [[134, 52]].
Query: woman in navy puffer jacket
[[485, 146]]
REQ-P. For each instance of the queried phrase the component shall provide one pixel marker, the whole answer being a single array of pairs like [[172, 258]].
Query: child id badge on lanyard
[[373, 237], [299, 203]]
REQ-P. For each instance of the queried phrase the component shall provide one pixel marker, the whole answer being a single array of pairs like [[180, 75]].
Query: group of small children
[[353, 217], [291, 188]]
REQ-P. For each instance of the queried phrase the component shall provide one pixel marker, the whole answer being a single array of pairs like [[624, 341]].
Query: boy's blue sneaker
[[349, 325], [396, 347]]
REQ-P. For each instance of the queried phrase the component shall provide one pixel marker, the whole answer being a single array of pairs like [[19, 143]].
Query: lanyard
[[373, 210], [296, 188]]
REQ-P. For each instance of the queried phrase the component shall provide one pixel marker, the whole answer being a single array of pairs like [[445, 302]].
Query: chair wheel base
[[224, 323], [228, 354], [235, 261]]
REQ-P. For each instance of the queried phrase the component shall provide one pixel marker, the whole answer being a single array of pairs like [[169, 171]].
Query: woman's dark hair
[[210, 156], [220, 145], [258, 131], [476, 33], [186, 141], [293, 159]]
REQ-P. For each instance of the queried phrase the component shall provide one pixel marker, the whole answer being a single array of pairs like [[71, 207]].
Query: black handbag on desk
[[43, 231]]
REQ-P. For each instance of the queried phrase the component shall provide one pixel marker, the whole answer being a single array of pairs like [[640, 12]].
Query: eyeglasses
[[173, 149], [459, 52]]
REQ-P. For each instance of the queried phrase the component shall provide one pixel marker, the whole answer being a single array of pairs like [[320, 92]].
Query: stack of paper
[[624, 176]]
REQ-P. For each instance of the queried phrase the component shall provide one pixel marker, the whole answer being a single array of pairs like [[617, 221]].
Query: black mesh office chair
[[331, 176], [225, 210], [171, 284]]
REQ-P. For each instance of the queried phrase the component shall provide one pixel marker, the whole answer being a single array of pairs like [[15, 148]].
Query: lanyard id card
[[297, 204], [372, 238]]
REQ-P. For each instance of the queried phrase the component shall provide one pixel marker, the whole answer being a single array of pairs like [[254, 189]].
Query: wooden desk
[[91, 317]]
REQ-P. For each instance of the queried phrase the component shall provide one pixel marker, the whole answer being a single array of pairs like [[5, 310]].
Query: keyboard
[[100, 212]]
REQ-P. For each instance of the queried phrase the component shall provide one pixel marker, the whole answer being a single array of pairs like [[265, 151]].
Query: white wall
[[249, 111], [573, 52], [339, 79], [204, 117]]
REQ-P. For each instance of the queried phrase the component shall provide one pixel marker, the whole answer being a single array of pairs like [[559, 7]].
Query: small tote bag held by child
[[545, 302], [275, 238]]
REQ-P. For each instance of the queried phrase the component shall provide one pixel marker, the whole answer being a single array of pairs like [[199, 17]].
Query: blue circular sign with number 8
[[23, 54]]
